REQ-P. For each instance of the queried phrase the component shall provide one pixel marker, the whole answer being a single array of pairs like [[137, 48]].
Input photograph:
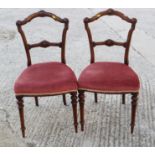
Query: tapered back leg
[[133, 110], [95, 96], [64, 99], [36, 101], [123, 99]]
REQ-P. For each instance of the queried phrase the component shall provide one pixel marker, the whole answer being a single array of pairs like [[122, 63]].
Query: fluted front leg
[[95, 96], [123, 99], [74, 106], [133, 110], [21, 113], [64, 99], [81, 102], [36, 101]]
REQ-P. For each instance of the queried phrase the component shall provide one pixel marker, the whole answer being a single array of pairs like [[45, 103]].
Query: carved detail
[[111, 12], [43, 43], [41, 13], [81, 102], [74, 106], [110, 42], [134, 99], [81, 96], [73, 98], [20, 102]]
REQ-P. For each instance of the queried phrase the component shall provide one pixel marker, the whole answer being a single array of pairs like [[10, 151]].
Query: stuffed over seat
[[46, 78], [108, 77]]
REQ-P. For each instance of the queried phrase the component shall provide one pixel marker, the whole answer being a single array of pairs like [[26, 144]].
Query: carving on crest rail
[[111, 12], [41, 13]]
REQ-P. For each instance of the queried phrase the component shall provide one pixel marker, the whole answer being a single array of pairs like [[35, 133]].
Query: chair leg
[[21, 114], [123, 99], [64, 99], [95, 96], [81, 102], [74, 106], [133, 110], [36, 101]]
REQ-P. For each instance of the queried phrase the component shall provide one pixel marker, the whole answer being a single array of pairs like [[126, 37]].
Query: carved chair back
[[109, 42], [44, 43]]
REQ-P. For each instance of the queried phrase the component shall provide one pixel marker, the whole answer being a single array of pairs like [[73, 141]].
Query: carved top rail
[[43, 43], [110, 12], [109, 42], [41, 13]]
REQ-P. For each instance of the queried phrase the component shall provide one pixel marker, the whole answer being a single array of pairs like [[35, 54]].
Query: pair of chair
[[56, 78]]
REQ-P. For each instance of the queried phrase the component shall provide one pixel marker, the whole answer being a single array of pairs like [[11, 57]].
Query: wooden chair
[[109, 77], [45, 79]]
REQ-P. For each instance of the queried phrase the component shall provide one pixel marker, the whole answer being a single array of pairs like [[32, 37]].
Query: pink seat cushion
[[109, 77], [46, 78]]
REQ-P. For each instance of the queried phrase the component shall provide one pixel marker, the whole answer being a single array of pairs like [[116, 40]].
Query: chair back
[[109, 42], [44, 43]]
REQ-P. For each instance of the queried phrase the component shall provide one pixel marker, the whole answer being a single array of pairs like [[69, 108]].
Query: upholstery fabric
[[46, 78], [108, 77]]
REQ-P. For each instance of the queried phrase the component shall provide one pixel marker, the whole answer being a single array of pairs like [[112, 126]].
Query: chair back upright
[[44, 43], [109, 42]]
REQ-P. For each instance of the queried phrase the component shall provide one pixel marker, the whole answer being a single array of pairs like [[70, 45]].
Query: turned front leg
[[74, 106], [21, 113], [81, 102]]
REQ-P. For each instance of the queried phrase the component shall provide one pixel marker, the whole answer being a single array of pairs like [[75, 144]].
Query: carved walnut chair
[[45, 79], [109, 77]]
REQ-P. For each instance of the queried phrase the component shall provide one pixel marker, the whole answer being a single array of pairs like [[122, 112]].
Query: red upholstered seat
[[109, 77], [46, 78]]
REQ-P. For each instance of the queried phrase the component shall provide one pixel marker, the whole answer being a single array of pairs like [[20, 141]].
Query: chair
[[45, 79], [109, 77]]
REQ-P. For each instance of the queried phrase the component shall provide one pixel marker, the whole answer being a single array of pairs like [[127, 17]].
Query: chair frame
[[109, 42], [44, 44]]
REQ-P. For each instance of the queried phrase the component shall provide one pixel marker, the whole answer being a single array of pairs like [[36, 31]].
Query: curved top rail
[[41, 13], [111, 12]]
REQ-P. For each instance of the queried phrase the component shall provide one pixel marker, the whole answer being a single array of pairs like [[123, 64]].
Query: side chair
[[109, 77], [48, 78]]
